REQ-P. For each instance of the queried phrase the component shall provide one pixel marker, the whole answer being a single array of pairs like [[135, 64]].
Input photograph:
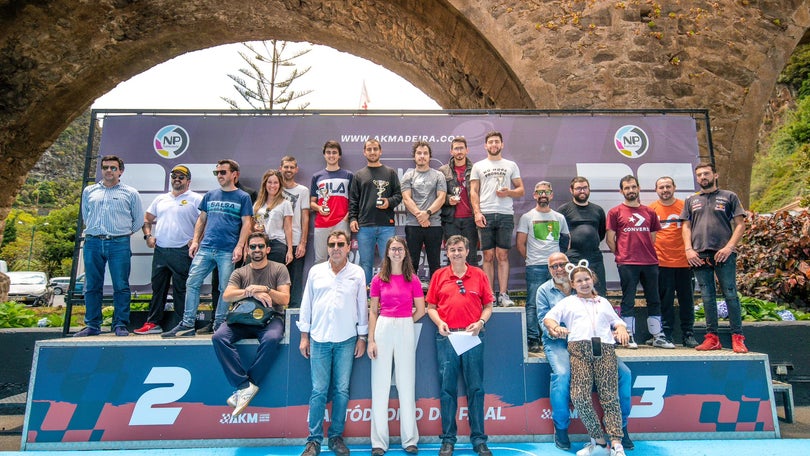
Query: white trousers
[[395, 344]]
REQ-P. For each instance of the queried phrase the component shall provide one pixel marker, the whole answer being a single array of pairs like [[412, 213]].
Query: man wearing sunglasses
[[556, 350], [460, 300], [169, 228], [111, 211], [334, 330], [226, 219], [540, 232], [268, 282]]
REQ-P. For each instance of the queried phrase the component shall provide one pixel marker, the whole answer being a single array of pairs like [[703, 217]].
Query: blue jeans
[[726, 274], [330, 363], [202, 265], [535, 276], [471, 365], [116, 254], [367, 238], [558, 358]]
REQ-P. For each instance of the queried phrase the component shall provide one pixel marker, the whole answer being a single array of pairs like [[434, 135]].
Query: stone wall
[[56, 57]]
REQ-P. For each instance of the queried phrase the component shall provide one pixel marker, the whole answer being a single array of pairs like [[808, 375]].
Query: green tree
[[267, 81]]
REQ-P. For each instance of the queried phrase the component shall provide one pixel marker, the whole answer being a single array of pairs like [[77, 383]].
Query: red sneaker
[[710, 342], [149, 328], [738, 343]]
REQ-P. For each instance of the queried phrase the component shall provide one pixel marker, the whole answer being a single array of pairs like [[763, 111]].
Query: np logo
[[171, 141], [631, 141], [637, 219]]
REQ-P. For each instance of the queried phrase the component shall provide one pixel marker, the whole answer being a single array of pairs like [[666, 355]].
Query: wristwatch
[[429, 212], [147, 236]]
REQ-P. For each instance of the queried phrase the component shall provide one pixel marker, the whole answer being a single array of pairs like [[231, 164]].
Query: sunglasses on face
[[557, 266], [543, 192], [220, 172], [109, 168], [257, 246], [461, 287], [339, 245], [179, 176]]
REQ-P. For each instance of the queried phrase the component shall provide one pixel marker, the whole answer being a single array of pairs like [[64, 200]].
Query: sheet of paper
[[463, 341]]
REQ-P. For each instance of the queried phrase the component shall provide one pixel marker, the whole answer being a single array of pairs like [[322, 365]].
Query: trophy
[[324, 193], [456, 193], [258, 221], [381, 186], [501, 180]]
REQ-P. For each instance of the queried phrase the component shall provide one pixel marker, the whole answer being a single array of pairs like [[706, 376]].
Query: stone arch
[[56, 57]]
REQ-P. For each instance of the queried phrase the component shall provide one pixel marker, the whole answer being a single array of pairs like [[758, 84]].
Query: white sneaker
[[631, 343], [592, 449], [661, 341], [505, 301], [617, 450], [243, 398], [233, 399]]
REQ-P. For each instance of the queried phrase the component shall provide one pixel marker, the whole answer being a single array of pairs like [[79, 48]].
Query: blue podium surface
[[147, 392]]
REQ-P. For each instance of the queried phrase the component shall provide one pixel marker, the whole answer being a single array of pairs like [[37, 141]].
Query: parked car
[[78, 289], [30, 287], [60, 284]]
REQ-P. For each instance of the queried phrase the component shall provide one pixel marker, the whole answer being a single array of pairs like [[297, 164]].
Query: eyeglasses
[[178, 176], [396, 249], [580, 189], [461, 287], [543, 192], [220, 172], [109, 168], [339, 245], [557, 266], [257, 246]]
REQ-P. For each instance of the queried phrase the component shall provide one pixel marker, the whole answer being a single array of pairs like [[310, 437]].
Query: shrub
[[15, 315]]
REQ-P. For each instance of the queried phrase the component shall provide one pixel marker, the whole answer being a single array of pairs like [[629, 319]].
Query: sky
[[197, 80]]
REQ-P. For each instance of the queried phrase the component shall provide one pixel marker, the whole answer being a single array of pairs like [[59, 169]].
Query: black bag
[[250, 311]]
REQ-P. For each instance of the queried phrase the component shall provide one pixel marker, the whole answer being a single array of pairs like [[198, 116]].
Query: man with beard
[[631, 229], [556, 350], [457, 213], [268, 282], [374, 193], [225, 221], [713, 224], [168, 228], [491, 199], [540, 232], [674, 275], [586, 221], [298, 196]]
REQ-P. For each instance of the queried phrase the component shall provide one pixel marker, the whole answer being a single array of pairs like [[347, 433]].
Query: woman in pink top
[[395, 291]]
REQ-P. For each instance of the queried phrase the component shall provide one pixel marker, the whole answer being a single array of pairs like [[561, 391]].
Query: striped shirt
[[111, 211]]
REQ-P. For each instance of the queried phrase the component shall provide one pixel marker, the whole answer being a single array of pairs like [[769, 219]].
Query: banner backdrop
[[551, 147], [98, 393]]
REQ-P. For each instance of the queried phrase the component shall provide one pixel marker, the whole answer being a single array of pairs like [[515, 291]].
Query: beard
[[564, 282], [709, 185], [582, 197]]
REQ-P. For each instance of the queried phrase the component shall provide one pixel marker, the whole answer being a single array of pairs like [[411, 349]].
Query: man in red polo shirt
[[460, 300]]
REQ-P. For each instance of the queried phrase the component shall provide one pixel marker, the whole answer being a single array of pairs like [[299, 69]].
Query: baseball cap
[[183, 169]]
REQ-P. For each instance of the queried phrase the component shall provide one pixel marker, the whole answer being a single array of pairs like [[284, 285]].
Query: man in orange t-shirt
[[674, 274]]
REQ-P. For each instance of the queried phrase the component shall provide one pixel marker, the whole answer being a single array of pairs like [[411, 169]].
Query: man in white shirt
[[334, 328], [298, 196], [169, 228]]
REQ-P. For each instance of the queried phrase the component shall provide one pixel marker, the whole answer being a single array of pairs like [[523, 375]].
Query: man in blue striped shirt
[[111, 211]]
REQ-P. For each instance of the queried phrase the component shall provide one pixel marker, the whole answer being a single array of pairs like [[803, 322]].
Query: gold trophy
[[381, 186], [258, 221], [324, 193]]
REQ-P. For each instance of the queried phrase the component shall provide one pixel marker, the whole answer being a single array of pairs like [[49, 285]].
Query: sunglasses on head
[[332, 245], [257, 246]]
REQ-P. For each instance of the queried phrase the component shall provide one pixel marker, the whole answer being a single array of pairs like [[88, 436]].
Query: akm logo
[[171, 141], [631, 141]]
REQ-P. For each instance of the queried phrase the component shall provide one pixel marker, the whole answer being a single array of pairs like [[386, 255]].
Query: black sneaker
[[535, 346], [627, 442], [482, 449], [313, 448], [338, 447], [180, 331], [207, 329], [446, 449], [561, 439], [689, 341]]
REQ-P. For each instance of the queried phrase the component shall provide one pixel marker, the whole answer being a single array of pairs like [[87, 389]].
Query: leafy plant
[[15, 315]]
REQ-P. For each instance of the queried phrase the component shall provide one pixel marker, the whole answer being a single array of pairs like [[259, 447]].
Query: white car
[[30, 287]]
